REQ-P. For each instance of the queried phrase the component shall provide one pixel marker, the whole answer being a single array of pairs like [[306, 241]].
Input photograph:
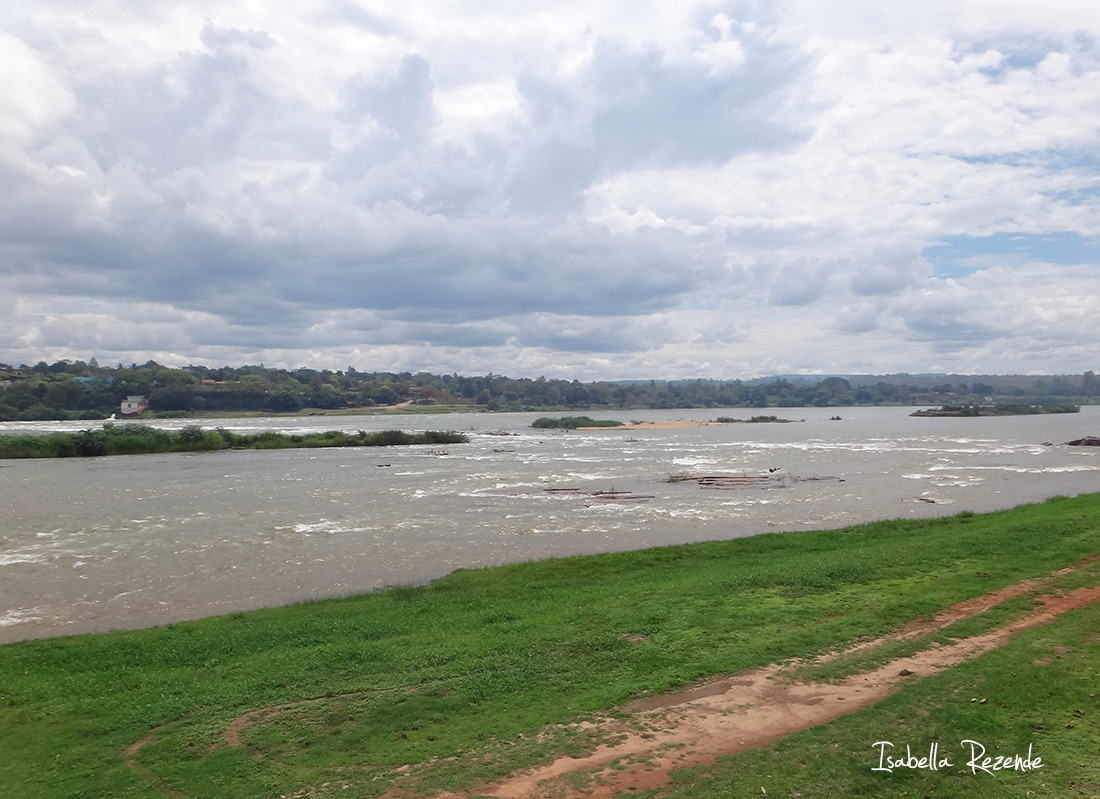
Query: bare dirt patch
[[395, 407]]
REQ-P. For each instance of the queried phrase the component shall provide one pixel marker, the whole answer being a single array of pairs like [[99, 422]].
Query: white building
[[133, 405]]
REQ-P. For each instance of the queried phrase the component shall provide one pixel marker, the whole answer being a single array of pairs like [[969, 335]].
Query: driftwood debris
[[775, 479], [742, 481], [732, 481], [1087, 441], [618, 499], [603, 497]]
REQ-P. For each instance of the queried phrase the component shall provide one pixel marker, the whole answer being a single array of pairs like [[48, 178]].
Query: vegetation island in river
[[572, 422], [136, 439], [587, 422], [1005, 409]]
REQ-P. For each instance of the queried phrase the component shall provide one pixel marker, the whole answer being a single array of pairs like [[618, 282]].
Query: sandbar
[[654, 425]]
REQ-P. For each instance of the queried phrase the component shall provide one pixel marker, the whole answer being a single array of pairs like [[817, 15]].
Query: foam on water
[[20, 616], [7, 559], [117, 542]]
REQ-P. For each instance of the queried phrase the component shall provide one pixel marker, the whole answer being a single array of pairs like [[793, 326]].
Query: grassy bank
[[466, 679], [136, 439]]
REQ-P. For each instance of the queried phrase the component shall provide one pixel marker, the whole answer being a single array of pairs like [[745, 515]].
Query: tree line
[[86, 390]]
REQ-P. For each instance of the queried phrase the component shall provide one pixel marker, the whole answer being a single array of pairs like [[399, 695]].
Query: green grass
[[135, 439], [486, 671]]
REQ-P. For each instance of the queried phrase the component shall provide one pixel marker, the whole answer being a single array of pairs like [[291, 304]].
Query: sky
[[645, 189]]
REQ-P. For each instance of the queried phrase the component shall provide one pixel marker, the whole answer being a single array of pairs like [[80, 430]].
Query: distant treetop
[[79, 390]]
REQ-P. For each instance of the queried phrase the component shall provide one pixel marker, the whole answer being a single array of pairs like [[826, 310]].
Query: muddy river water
[[96, 544]]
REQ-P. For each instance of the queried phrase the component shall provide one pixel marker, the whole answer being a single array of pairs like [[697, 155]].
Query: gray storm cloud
[[546, 192]]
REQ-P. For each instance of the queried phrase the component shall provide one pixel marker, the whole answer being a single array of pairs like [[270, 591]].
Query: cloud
[[717, 189], [888, 269], [800, 281], [34, 97], [400, 103]]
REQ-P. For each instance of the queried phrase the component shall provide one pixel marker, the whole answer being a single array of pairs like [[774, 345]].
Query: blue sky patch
[[959, 256]]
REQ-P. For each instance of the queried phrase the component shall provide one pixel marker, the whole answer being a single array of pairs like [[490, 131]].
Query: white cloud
[[34, 95], [661, 189]]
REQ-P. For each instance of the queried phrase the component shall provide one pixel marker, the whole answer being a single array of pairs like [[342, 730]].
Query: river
[[96, 544]]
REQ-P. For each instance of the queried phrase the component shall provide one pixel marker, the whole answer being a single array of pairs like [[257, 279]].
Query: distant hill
[[78, 390]]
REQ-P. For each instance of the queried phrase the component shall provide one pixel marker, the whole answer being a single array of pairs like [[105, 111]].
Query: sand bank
[[654, 425]]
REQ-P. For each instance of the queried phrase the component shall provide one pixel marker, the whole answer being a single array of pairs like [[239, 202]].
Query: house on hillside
[[133, 405], [8, 373]]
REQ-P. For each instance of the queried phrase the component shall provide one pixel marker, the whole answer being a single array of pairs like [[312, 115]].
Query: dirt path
[[395, 407], [731, 714], [757, 707]]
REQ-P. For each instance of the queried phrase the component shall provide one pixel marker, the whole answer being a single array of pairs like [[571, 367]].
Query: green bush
[[445, 437], [572, 422], [191, 435], [388, 438], [90, 442]]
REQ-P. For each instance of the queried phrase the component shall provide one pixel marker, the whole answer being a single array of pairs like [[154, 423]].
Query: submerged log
[[730, 481], [602, 496], [617, 499]]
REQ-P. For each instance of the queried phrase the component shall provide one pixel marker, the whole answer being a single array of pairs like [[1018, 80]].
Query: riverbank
[[454, 685], [407, 408]]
